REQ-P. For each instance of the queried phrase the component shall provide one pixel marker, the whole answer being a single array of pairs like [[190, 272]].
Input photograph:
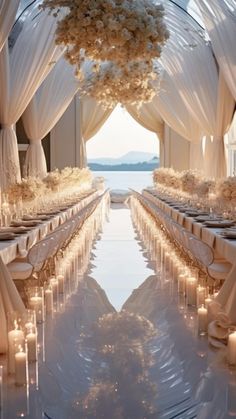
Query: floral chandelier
[[127, 34]]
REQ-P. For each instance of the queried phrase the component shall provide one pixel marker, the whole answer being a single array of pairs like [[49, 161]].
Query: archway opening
[[123, 152]]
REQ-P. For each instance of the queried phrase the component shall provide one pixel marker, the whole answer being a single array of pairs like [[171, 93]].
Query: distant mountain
[[133, 157]]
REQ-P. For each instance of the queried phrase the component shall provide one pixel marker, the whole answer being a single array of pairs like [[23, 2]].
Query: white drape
[[93, 117], [215, 160], [219, 19], [44, 111], [8, 9], [174, 112], [21, 74], [147, 116]]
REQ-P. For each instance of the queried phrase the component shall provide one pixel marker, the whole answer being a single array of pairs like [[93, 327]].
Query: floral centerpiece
[[189, 182], [126, 35], [226, 189], [31, 188]]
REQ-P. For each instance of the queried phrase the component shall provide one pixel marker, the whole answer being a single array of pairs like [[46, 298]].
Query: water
[[126, 180]]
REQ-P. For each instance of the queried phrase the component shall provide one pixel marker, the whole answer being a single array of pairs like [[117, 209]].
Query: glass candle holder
[[21, 364], [231, 349], [191, 290], [15, 336], [36, 302], [48, 298]]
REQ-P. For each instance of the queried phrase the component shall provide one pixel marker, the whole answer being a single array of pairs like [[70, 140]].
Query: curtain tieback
[[5, 126]]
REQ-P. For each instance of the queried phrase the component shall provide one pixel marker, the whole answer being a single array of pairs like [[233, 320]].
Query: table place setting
[[7, 236], [218, 223]]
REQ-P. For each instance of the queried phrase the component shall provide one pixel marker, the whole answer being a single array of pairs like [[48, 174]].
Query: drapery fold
[[44, 111], [21, 73], [8, 9], [219, 19], [93, 116], [215, 159]]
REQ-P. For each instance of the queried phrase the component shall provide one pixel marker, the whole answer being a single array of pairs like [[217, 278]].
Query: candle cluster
[[22, 344], [173, 266]]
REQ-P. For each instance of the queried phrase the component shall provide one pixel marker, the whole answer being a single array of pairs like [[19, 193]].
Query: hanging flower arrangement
[[135, 83], [127, 33]]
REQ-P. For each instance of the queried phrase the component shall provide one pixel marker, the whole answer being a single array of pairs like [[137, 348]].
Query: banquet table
[[10, 299], [19, 247], [222, 247]]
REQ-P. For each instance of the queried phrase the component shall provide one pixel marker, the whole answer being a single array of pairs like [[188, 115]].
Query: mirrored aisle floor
[[145, 362]]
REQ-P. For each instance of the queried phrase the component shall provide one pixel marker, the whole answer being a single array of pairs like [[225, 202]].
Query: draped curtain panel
[[219, 19], [8, 9], [174, 112], [44, 111], [147, 116], [93, 117], [215, 159], [21, 73]]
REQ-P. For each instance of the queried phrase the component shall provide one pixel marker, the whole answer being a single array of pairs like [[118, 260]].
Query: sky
[[119, 135]]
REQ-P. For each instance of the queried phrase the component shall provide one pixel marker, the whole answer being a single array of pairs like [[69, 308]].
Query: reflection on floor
[[125, 366]]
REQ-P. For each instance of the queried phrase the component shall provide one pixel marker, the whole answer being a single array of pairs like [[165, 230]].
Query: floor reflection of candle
[[232, 348], [202, 320], [21, 367]]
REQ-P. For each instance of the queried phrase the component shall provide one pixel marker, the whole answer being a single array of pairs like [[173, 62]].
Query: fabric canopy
[[44, 111], [219, 19]]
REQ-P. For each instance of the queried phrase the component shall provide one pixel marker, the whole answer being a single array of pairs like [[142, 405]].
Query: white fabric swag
[[215, 159], [44, 111], [93, 116], [147, 116], [219, 19], [21, 73], [8, 9], [198, 89]]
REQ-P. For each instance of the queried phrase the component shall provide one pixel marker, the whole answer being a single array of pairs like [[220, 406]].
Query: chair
[[216, 269], [34, 267]]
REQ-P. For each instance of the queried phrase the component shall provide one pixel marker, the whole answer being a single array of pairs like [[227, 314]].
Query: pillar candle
[[32, 346], [232, 349], [48, 295], [202, 320], [15, 336], [191, 291], [21, 367]]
